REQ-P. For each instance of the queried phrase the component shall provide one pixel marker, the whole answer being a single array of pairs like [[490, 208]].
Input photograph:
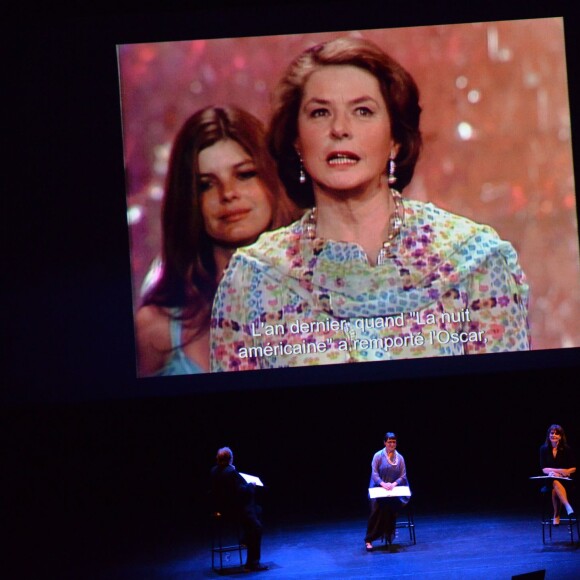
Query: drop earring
[[392, 178], [302, 173]]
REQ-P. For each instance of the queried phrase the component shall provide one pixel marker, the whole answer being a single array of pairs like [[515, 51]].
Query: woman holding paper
[[557, 460], [388, 471]]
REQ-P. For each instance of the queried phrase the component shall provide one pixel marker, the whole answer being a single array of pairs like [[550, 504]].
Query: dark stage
[[118, 489], [449, 545], [456, 545]]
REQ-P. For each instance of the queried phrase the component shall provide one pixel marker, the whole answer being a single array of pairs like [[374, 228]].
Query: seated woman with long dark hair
[[558, 461], [221, 192]]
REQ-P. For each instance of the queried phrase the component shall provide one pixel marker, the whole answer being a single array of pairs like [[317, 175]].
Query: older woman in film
[[365, 275], [221, 192], [557, 460]]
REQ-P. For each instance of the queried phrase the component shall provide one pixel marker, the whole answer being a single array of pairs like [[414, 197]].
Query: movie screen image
[[354, 196]]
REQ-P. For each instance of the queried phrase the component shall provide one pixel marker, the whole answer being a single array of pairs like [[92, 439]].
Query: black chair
[[547, 518], [406, 520], [226, 538]]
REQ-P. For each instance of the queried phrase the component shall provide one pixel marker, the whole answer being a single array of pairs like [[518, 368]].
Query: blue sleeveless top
[[179, 363]]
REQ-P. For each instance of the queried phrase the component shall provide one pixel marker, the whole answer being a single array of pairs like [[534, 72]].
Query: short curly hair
[[397, 87]]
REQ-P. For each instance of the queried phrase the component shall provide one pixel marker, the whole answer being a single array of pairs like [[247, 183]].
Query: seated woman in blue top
[[221, 192], [557, 460], [388, 471]]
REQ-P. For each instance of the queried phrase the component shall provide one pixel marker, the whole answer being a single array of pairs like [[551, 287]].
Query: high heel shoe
[[556, 521]]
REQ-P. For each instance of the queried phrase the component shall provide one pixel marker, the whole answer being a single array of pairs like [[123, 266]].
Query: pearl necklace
[[396, 223], [396, 458]]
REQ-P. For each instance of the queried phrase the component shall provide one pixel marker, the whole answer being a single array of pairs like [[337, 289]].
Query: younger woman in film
[[221, 192]]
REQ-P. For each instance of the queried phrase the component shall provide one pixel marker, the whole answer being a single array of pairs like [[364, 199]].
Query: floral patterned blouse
[[452, 287]]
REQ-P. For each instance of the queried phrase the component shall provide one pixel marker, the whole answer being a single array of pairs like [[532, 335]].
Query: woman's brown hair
[[397, 87], [188, 277], [560, 430]]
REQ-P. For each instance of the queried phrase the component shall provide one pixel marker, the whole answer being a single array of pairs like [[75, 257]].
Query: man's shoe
[[255, 567]]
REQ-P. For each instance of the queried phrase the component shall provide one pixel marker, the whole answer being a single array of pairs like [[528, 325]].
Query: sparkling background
[[496, 126]]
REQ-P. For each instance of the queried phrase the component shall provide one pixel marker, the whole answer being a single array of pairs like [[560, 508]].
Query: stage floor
[[462, 545]]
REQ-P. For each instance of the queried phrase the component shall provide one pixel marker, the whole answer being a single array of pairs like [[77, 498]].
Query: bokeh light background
[[496, 125]]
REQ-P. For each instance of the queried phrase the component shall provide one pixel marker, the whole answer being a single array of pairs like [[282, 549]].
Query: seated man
[[232, 496]]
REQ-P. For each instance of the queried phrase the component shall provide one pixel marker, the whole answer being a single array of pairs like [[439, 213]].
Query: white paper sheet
[[397, 491], [551, 477], [252, 479]]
